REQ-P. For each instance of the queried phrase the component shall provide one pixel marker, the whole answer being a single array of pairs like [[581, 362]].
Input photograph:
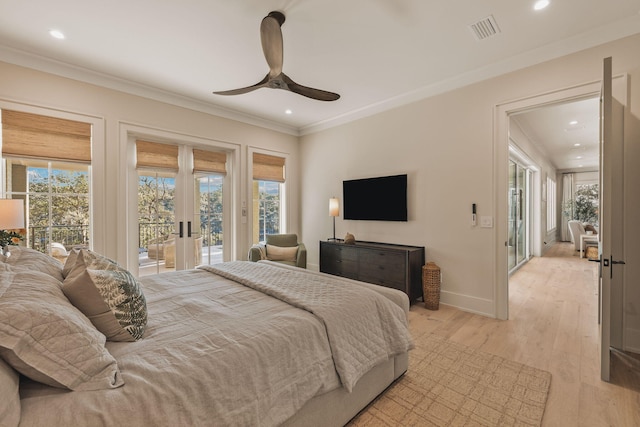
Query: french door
[[519, 223], [181, 215]]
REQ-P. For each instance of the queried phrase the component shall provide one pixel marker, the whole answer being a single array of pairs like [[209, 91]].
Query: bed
[[238, 343]]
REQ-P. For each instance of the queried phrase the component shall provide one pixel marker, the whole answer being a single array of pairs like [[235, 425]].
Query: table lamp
[[334, 211]]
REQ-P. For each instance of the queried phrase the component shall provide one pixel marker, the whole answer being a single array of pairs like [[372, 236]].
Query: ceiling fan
[[271, 37]]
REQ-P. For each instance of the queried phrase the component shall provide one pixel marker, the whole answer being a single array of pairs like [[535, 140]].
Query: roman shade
[[268, 168], [209, 161], [42, 137], [156, 155]]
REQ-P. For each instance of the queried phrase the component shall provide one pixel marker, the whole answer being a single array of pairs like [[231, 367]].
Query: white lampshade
[[11, 214], [334, 207]]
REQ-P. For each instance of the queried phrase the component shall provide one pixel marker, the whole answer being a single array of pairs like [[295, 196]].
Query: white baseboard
[[484, 307]]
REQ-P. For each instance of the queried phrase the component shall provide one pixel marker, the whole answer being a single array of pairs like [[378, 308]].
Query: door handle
[[611, 261], [188, 228], [181, 229]]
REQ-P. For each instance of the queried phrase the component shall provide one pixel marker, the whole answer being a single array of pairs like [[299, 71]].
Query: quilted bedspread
[[217, 352], [364, 329]]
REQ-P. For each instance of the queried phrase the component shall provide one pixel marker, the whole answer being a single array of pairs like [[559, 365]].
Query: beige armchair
[[170, 252], [282, 248], [155, 248], [577, 229]]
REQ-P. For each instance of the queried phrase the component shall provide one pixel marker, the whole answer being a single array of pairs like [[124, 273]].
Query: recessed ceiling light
[[541, 4], [577, 144], [288, 111], [56, 34], [573, 122], [580, 166], [579, 157]]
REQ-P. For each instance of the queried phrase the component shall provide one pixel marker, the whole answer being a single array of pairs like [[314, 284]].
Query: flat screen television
[[375, 199]]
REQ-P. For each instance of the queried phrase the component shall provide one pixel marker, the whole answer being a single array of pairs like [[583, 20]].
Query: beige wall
[[23, 87], [446, 145]]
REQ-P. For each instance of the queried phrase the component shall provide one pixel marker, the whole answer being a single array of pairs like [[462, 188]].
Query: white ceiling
[[567, 134], [376, 53]]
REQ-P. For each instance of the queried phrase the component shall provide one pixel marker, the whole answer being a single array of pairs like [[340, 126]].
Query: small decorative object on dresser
[[349, 239]]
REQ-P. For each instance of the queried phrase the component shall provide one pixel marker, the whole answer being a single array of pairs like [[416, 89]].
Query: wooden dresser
[[393, 266]]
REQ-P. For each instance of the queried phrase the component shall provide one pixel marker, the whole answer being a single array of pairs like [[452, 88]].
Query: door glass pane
[[156, 222], [208, 220], [522, 214], [512, 203]]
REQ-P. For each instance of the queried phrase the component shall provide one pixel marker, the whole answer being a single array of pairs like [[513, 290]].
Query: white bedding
[[363, 328], [215, 352]]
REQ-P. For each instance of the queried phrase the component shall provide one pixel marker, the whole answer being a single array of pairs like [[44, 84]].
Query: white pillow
[[279, 253], [30, 259], [47, 339]]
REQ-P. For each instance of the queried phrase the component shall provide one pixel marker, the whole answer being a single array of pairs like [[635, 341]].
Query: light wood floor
[[553, 325]]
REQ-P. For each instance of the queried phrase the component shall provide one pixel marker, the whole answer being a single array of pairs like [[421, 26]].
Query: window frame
[[552, 214], [100, 218], [284, 188]]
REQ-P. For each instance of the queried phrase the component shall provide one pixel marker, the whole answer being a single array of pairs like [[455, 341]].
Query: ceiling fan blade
[[261, 83], [309, 92], [271, 38]]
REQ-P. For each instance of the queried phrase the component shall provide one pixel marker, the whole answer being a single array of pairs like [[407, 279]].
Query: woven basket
[[591, 252], [431, 285]]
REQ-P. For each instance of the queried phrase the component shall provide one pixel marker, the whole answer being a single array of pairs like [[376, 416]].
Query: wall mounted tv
[[375, 199]]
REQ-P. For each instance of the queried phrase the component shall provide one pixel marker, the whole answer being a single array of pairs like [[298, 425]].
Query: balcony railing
[[78, 235], [68, 235]]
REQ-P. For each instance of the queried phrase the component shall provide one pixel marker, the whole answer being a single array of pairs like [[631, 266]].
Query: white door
[[611, 218], [180, 216]]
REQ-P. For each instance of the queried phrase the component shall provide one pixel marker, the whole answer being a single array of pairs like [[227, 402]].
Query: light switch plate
[[486, 221]]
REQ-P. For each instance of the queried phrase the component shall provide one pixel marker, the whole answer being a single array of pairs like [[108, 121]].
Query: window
[[266, 202], [551, 204], [56, 198], [268, 195], [586, 201], [47, 162]]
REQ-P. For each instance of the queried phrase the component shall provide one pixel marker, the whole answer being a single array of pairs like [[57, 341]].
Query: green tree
[[156, 208], [584, 205], [58, 207]]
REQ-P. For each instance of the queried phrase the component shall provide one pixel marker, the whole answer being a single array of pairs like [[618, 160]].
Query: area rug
[[450, 384]]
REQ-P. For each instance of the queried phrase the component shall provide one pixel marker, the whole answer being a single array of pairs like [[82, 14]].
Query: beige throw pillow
[[278, 253], [47, 339], [108, 295]]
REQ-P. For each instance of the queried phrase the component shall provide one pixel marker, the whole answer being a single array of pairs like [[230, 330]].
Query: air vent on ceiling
[[485, 28]]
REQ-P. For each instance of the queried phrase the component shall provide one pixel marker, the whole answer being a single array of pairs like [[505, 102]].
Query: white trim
[[98, 203], [500, 173], [86, 75], [127, 199], [284, 196], [468, 303]]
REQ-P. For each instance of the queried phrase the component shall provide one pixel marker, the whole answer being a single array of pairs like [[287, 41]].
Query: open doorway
[[562, 139], [541, 129]]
